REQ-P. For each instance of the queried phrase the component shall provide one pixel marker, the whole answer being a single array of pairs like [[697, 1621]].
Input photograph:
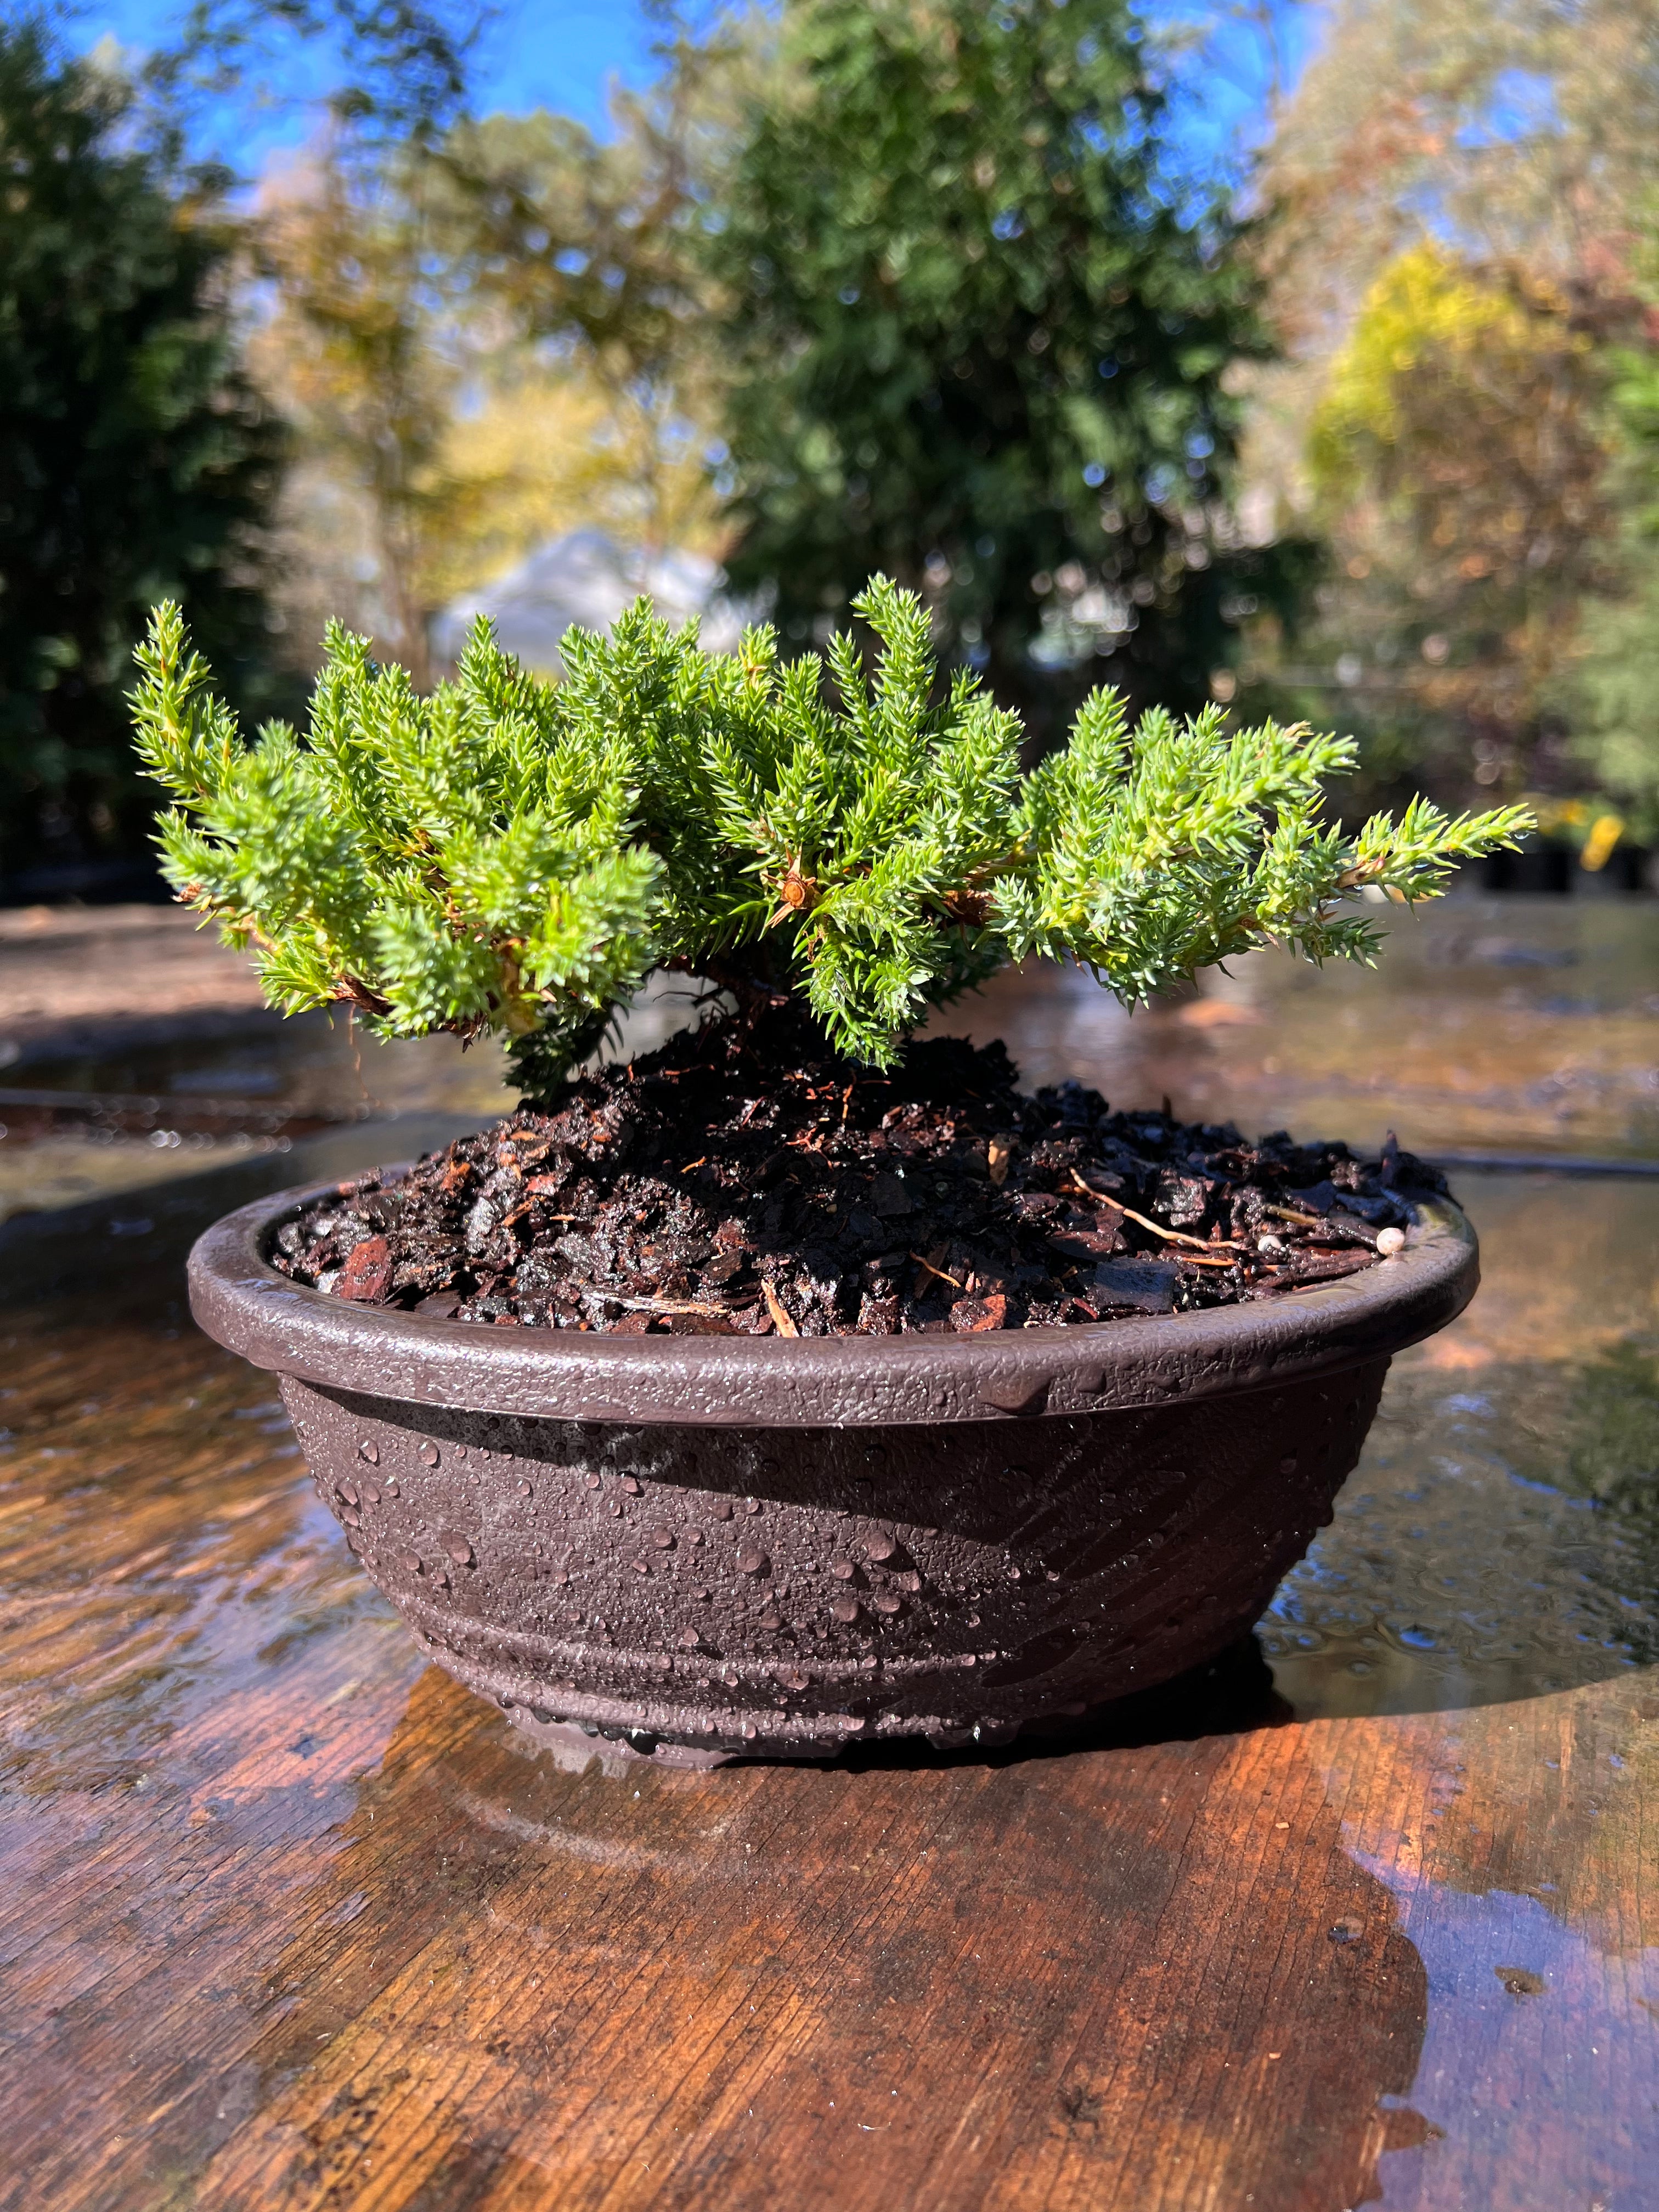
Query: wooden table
[[290, 1921]]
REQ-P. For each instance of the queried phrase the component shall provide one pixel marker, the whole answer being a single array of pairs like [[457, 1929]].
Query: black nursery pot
[[718, 1547]]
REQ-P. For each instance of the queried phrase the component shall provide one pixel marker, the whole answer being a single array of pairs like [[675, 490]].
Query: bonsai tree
[[514, 856]]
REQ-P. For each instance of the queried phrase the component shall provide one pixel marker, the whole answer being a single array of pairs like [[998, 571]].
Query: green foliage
[[1610, 689], [982, 339], [506, 855], [135, 461], [1458, 450]]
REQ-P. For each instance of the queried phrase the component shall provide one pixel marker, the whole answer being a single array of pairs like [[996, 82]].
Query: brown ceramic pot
[[717, 1547]]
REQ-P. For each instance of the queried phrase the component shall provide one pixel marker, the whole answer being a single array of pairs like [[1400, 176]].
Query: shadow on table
[[1146, 1975], [1232, 1695]]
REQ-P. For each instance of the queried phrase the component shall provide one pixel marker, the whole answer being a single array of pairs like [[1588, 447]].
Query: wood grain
[[289, 1921]]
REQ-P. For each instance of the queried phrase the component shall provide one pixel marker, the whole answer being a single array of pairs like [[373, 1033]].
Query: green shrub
[[513, 855], [134, 457]]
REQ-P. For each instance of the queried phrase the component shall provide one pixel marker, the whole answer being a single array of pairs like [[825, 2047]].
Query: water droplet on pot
[[845, 1609], [911, 1582], [885, 1604], [351, 1518], [349, 1492], [460, 1452], [751, 1505], [663, 1539], [630, 1485], [641, 1568], [690, 1639], [750, 1731], [771, 1619], [722, 1509], [458, 1546], [429, 1454], [369, 1451], [842, 1569], [391, 1489], [369, 1493], [561, 1576], [750, 1561], [524, 1489], [411, 1562], [1013, 1574], [594, 1481], [880, 1546]]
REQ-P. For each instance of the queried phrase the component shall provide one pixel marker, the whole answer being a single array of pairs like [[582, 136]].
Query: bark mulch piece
[[742, 1181]]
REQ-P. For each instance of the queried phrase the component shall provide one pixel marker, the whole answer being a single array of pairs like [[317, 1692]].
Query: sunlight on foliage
[[508, 855], [1425, 306]]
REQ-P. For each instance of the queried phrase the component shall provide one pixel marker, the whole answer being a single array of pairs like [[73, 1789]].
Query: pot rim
[[837, 1382]]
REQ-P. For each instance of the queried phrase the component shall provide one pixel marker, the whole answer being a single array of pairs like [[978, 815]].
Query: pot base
[[700, 1595]]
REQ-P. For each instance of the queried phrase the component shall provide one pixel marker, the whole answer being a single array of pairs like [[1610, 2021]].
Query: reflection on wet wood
[[32, 1114], [1520, 1024], [290, 1921]]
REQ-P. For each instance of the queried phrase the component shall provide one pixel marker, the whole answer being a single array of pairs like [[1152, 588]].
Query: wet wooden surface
[[1368, 1914], [289, 1920]]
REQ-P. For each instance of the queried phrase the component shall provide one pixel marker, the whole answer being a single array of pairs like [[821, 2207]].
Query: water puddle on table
[[1500, 1535]]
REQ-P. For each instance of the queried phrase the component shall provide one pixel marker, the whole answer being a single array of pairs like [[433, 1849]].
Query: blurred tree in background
[[488, 336], [981, 340], [399, 70], [135, 459], [1609, 691], [1457, 453], [1453, 194], [361, 354], [1060, 311], [587, 248]]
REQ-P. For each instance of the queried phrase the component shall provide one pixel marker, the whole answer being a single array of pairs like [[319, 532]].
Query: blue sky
[[558, 54], [562, 54], [566, 54]]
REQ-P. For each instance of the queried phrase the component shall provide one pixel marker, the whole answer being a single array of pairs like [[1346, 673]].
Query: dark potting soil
[[742, 1181]]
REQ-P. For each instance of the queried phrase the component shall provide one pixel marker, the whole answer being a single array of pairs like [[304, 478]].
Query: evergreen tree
[[515, 856], [984, 337], [134, 460]]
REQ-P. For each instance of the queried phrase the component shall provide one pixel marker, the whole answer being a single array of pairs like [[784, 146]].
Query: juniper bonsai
[[511, 855]]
